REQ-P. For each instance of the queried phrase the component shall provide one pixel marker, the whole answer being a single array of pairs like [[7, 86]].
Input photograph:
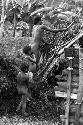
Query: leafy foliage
[[10, 60]]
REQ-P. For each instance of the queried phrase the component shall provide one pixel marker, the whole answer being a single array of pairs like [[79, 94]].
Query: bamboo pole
[[68, 91], [80, 89]]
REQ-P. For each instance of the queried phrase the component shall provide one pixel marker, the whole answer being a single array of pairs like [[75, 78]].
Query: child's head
[[27, 50], [24, 67], [37, 20]]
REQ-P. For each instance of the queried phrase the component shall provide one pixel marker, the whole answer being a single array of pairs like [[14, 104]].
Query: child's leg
[[19, 106], [21, 103], [24, 99], [23, 91], [29, 96]]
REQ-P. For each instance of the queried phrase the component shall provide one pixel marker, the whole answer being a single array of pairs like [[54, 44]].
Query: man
[[37, 34], [23, 80]]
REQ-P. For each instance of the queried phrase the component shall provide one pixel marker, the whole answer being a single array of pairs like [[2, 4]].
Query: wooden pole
[[2, 18], [80, 89], [68, 91]]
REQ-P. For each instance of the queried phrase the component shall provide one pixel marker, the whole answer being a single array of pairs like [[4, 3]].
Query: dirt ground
[[39, 113], [16, 120]]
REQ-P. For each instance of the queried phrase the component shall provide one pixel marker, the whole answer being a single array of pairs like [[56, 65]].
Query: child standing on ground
[[23, 79]]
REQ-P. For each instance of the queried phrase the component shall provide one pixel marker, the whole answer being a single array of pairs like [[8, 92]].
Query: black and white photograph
[[41, 62]]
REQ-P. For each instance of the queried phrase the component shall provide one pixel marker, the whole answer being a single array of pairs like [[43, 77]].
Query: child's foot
[[17, 110], [25, 114], [28, 99]]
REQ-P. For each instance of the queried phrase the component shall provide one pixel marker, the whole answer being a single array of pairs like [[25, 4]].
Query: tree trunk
[[14, 24]]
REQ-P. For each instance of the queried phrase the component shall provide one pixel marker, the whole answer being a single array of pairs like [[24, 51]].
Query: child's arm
[[31, 59], [30, 76], [56, 30]]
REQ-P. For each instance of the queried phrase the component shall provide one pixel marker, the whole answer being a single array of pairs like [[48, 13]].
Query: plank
[[64, 95], [61, 89], [70, 52]]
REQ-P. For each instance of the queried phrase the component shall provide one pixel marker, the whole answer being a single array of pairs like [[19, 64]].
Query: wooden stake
[[68, 91], [80, 89]]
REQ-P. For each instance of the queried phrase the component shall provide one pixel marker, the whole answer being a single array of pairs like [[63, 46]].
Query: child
[[30, 58], [23, 79]]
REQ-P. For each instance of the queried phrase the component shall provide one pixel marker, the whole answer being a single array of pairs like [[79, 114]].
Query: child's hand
[[27, 57]]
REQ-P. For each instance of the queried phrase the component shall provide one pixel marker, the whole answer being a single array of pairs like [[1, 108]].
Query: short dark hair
[[37, 19], [24, 67], [26, 49]]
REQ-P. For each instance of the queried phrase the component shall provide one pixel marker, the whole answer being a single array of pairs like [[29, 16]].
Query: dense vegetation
[[10, 60]]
